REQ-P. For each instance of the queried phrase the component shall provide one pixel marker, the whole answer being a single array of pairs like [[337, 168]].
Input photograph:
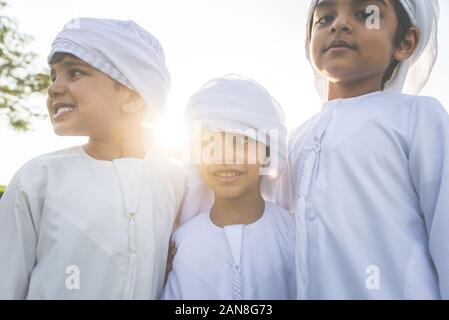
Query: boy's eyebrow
[[333, 3], [381, 2], [326, 4], [72, 63], [69, 63]]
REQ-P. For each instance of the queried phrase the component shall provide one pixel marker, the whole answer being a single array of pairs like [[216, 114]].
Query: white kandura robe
[[237, 262], [66, 215], [370, 179]]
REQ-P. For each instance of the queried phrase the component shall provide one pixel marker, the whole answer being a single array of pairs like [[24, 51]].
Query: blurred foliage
[[18, 78]]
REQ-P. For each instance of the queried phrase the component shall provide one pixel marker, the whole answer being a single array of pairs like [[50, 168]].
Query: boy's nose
[[56, 89], [341, 24], [231, 154], [227, 154]]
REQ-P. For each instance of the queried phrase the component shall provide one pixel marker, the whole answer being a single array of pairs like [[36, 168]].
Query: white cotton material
[[122, 50], [72, 227], [234, 104], [370, 184], [411, 75], [237, 262]]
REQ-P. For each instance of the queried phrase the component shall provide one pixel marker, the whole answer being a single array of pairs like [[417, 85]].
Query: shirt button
[[317, 138]]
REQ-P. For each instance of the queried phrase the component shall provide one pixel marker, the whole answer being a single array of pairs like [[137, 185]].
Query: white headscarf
[[124, 51], [411, 75], [234, 104]]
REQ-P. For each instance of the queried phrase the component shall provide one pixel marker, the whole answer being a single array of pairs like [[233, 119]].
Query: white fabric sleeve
[[19, 212], [429, 168]]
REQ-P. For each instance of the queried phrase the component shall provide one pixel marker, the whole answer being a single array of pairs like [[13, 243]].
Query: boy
[[94, 221], [242, 247], [371, 171]]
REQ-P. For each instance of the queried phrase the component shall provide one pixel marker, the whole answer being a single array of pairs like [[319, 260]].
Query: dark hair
[[59, 56], [404, 25]]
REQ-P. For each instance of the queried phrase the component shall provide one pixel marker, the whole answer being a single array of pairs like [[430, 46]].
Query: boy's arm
[[18, 239], [171, 289], [429, 168]]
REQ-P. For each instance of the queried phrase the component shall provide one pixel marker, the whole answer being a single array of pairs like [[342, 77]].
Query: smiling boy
[[243, 247], [94, 221]]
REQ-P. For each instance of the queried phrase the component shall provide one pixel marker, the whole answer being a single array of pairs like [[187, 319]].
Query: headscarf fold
[[411, 75], [122, 50]]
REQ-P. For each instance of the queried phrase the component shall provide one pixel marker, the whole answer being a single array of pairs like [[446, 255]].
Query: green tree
[[19, 79]]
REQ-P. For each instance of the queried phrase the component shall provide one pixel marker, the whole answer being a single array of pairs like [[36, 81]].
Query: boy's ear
[[133, 103], [408, 45]]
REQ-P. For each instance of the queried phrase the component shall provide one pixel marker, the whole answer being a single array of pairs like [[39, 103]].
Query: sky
[[202, 39]]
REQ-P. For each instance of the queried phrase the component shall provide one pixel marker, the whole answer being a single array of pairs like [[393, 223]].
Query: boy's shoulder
[[414, 102], [282, 217], [422, 109], [428, 104], [46, 159], [33, 174], [195, 226], [273, 207]]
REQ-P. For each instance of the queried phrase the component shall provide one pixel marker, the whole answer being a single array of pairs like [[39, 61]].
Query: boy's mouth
[[339, 45], [61, 109], [227, 175]]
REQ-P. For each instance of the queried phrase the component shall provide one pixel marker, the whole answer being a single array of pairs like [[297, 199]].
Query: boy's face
[[344, 47], [237, 171], [83, 101]]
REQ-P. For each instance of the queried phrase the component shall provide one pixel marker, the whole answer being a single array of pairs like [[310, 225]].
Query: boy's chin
[[348, 76], [229, 193], [349, 72], [64, 131]]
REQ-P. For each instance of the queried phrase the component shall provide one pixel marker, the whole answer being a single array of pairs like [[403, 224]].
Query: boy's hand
[[170, 257]]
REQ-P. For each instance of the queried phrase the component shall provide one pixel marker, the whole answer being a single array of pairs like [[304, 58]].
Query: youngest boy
[[243, 247]]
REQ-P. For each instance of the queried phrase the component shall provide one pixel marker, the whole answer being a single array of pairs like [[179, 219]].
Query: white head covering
[[124, 51], [411, 75], [238, 104], [235, 104]]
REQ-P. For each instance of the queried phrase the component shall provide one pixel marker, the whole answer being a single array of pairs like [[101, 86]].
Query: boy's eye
[[75, 73], [325, 19], [236, 141], [206, 143], [362, 15], [241, 140]]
